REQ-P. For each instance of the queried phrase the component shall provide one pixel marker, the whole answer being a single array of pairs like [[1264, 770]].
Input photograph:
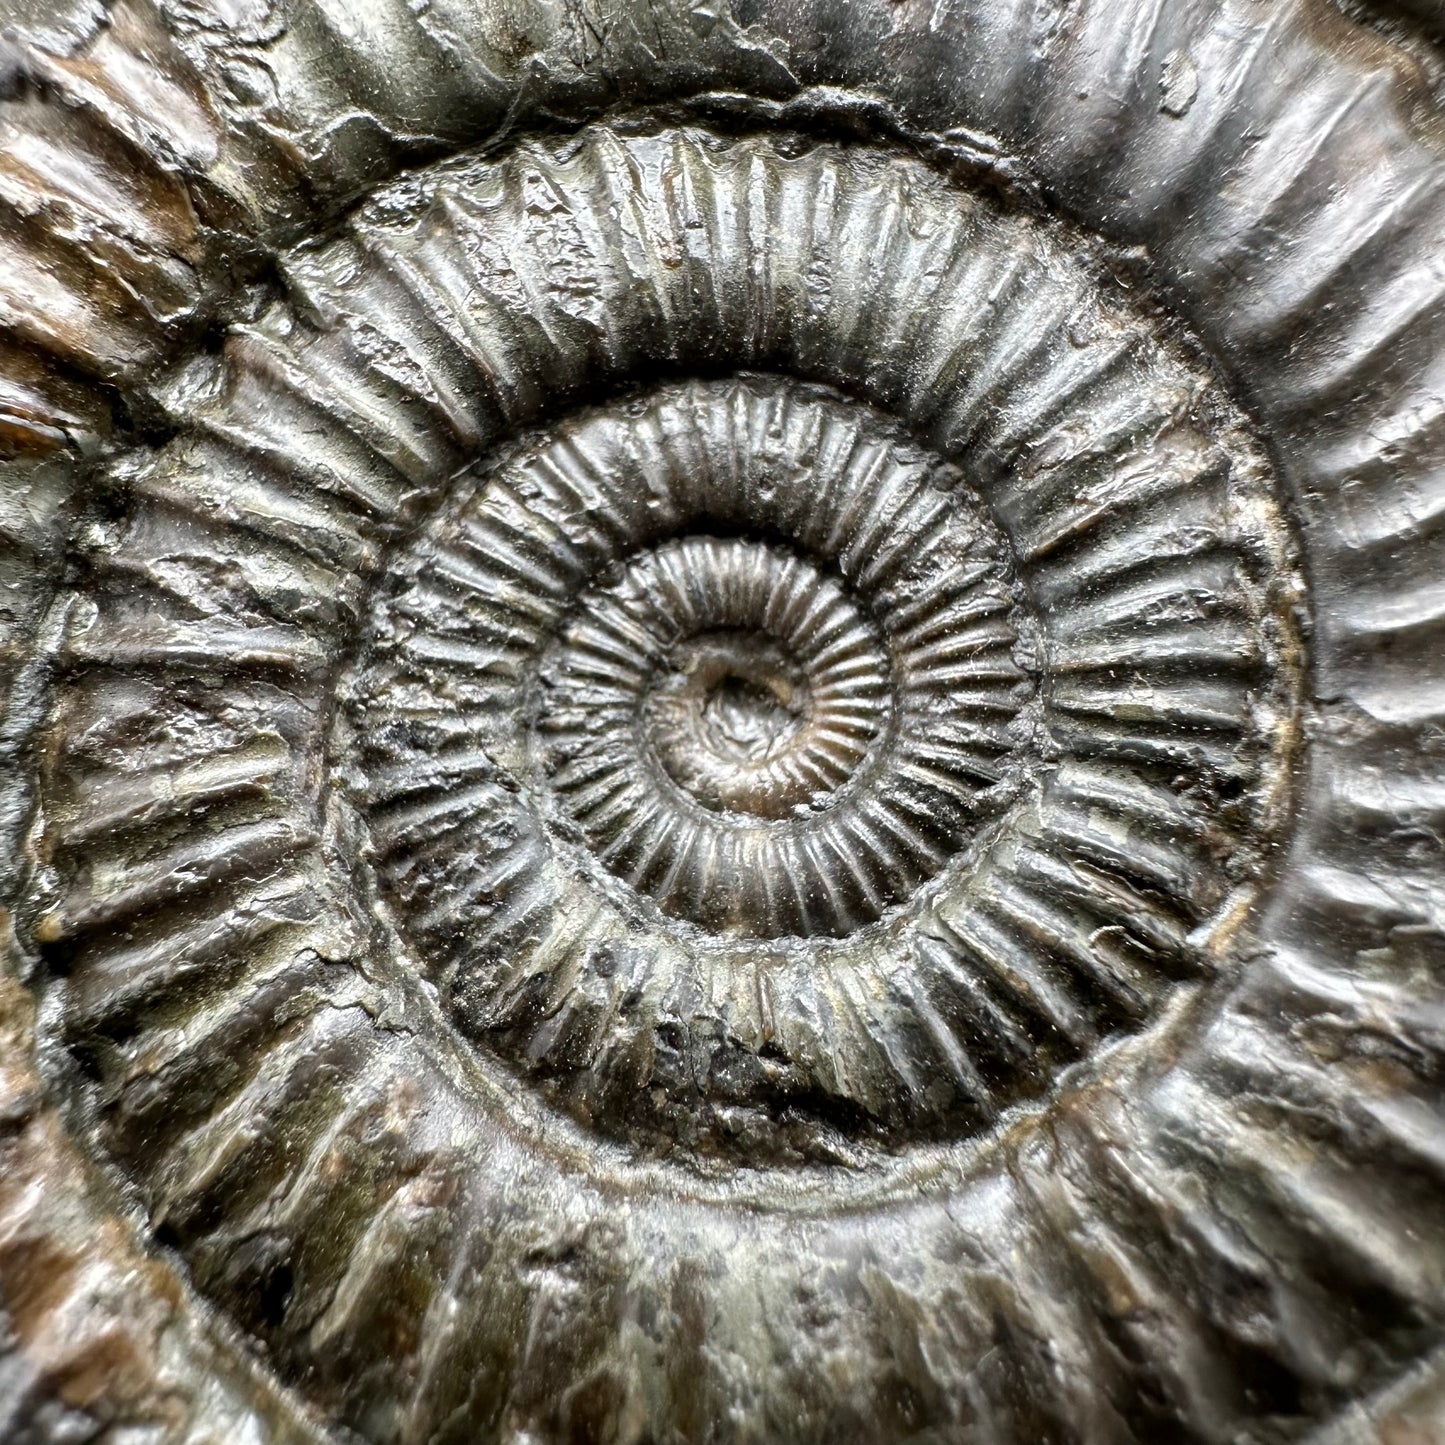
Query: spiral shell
[[751, 770]]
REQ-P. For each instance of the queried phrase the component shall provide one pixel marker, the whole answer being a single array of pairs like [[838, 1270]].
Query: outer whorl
[[722, 723]]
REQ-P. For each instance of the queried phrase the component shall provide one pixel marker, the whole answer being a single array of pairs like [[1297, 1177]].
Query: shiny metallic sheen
[[722, 722]]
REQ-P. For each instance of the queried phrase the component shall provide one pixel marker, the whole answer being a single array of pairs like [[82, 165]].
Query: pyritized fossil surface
[[723, 723]]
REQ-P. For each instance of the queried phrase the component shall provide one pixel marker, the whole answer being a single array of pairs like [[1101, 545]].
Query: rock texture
[[722, 723]]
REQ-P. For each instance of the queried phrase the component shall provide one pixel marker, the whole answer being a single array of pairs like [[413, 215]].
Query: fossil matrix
[[722, 723]]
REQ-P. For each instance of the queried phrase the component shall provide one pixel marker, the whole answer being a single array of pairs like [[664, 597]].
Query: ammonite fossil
[[723, 722]]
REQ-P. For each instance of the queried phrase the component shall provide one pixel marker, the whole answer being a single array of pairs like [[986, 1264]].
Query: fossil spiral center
[[731, 706], [748, 677], [747, 699]]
